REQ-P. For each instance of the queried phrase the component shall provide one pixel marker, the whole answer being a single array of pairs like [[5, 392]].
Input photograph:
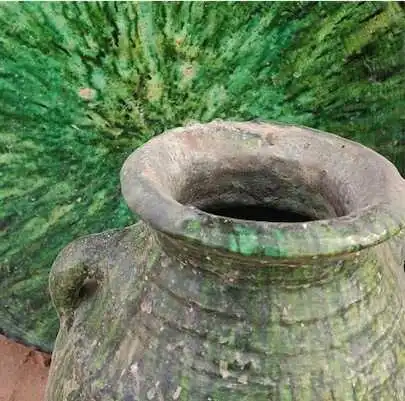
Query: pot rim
[[364, 227]]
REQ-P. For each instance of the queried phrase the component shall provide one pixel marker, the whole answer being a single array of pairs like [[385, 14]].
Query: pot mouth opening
[[229, 187], [259, 212], [277, 191]]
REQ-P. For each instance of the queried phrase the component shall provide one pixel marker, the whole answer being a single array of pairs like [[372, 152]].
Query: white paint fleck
[[243, 379], [146, 306], [134, 369], [223, 369], [177, 393], [151, 394], [267, 381]]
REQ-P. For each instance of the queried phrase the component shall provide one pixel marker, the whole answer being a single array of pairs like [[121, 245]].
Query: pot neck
[[236, 269]]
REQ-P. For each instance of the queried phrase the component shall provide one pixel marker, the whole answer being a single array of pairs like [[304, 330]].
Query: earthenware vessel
[[267, 265]]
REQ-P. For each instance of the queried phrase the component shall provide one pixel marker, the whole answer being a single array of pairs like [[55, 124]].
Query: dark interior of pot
[[257, 213], [278, 191]]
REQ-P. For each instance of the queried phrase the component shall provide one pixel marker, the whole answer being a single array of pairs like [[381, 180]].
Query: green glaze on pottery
[[193, 306], [248, 242]]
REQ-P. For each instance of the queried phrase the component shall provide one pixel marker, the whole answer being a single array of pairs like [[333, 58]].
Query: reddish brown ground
[[23, 372]]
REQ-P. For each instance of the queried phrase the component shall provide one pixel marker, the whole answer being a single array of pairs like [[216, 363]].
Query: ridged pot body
[[151, 315]]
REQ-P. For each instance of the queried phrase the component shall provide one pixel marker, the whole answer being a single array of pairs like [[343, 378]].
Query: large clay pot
[[267, 266]]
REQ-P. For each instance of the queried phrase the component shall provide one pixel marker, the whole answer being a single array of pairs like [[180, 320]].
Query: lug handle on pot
[[74, 276]]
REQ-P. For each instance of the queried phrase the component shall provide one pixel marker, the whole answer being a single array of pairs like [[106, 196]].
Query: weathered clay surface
[[191, 306]]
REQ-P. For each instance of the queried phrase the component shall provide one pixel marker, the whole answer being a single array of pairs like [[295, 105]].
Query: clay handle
[[70, 281]]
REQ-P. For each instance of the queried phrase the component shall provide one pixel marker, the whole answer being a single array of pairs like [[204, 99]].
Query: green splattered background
[[83, 84]]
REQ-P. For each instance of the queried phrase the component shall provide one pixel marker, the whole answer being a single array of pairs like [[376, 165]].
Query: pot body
[[159, 328], [150, 315]]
